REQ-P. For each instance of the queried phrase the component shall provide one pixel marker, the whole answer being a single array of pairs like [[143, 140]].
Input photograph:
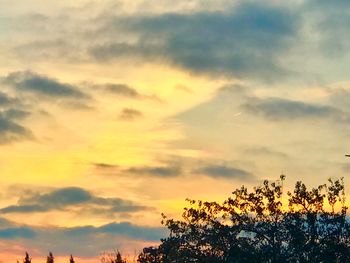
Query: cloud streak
[[223, 171], [158, 171], [27, 81], [128, 114], [278, 109], [64, 198], [10, 130]]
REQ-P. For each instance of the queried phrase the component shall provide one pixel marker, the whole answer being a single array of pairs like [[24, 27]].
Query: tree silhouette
[[27, 259], [114, 257], [50, 258], [255, 226], [71, 259]]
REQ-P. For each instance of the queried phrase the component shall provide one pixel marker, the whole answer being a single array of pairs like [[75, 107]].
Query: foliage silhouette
[[114, 257], [50, 258], [257, 227], [27, 259]]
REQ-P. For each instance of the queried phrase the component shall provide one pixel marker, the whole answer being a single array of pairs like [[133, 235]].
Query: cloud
[[10, 130], [63, 198], [11, 112], [127, 229], [223, 171], [11, 230], [15, 114], [105, 166], [332, 20], [278, 109], [6, 100], [27, 81], [245, 41], [339, 97], [248, 39], [122, 90], [106, 169], [85, 240], [158, 171], [4, 223], [264, 151], [18, 232], [168, 170], [122, 228], [129, 114]]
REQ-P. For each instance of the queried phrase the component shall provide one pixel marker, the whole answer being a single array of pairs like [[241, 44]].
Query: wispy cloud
[[158, 171], [27, 81], [223, 171], [279, 109], [122, 90], [129, 114], [10, 130], [63, 198]]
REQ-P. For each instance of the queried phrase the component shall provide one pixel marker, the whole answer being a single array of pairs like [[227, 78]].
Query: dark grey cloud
[[17, 232], [129, 114], [11, 230], [6, 100], [15, 114], [248, 39], [223, 171], [27, 81], [85, 240], [12, 111], [158, 171], [278, 109], [122, 90], [166, 170], [10, 130], [64, 198], [245, 42]]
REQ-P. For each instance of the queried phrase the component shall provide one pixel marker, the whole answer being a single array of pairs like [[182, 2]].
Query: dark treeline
[[258, 226]]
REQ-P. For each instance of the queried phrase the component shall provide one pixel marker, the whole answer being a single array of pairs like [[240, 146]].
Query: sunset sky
[[113, 112]]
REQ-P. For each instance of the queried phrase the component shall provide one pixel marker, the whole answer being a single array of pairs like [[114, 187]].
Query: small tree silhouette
[[50, 258], [114, 257], [71, 259], [27, 259]]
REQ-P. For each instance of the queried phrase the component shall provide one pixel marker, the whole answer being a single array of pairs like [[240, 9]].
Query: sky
[[113, 112]]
